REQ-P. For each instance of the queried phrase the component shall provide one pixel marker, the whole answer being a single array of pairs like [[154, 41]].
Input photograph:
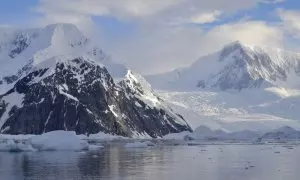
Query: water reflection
[[182, 162]]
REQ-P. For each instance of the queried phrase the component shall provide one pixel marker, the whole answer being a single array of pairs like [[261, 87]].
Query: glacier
[[237, 88]]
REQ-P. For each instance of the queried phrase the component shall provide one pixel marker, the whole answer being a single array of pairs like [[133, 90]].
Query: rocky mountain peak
[[58, 79], [236, 66]]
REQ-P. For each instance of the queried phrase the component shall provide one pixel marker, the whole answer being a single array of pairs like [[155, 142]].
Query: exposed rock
[[80, 95]]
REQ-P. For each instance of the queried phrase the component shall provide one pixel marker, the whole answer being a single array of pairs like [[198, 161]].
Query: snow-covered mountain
[[285, 133], [257, 109], [237, 88], [55, 78], [236, 66], [21, 49]]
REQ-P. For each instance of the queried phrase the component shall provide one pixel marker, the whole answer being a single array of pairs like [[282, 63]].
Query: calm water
[[178, 162]]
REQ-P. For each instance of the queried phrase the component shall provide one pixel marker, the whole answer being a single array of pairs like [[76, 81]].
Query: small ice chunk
[[93, 147], [104, 137], [14, 146], [185, 135], [137, 145]]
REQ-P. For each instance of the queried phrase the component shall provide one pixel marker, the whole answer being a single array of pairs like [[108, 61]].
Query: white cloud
[[163, 48], [199, 18], [115, 8], [140, 9], [157, 46], [273, 1], [205, 17], [290, 21], [83, 22], [248, 32]]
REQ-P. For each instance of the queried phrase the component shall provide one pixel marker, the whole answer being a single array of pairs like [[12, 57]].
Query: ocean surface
[[210, 162]]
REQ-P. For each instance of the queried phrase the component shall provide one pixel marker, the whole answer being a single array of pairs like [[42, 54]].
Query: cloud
[[248, 32], [199, 18], [85, 23], [273, 1], [156, 45], [141, 9], [116, 8], [163, 48], [205, 17], [290, 21]]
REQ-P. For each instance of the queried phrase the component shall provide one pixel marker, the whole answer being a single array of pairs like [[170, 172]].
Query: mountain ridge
[[235, 67], [65, 85], [29, 47]]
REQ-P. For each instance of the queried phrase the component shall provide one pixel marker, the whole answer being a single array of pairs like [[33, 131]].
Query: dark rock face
[[13, 78], [20, 44], [80, 96], [10, 79]]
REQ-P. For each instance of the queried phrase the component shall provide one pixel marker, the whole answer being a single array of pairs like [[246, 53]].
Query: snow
[[69, 96], [228, 68], [58, 42], [59, 140], [112, 109], [13, 99], [255, 109], [205, 133], [142, 90]]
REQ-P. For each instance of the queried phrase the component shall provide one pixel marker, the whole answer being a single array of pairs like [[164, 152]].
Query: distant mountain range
[[235, 67], [239, 87]]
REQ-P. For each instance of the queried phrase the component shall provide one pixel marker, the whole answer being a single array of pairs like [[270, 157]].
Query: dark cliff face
[[79, 95]]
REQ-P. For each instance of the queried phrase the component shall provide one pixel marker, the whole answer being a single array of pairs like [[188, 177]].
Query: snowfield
[[256, 110], [237, 88]]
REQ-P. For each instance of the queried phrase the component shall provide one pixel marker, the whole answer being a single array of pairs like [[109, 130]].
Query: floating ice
[[14, 146], [59, 140], [138, 144], [93, 147]]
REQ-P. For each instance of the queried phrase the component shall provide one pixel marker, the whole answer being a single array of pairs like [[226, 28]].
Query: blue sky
[[21, 13], [16, 12], [156, 36]]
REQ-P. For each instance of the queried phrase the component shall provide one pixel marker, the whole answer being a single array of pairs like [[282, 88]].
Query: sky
[[156, 36]]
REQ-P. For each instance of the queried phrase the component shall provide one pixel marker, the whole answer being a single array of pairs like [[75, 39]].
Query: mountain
[[55, 78], [237, 88], [208, 134], [21, 49], [284, 134], [260, 110], [235, 67]]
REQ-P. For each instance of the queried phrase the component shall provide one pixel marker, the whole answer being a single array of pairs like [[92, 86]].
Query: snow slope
[[257, 109], [235, 67], [238, 88], [22, 49]]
